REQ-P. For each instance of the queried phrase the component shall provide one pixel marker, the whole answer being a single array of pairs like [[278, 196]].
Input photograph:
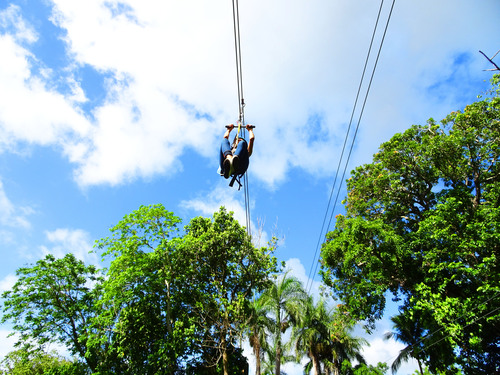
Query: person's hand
[[230, 127], [250, 127]]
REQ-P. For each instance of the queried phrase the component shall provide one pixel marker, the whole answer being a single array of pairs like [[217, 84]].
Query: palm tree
[[312, 334], [408, 331], [324, 336], [269, 362], [344, 346], [285, 299], [259, 324]]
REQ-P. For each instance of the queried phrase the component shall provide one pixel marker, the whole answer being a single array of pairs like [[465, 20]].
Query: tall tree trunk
[[278, 359], [316, 364], [225, 357], [170, 366], [225, 361], [256, 352], [278, 343], [336, 368]]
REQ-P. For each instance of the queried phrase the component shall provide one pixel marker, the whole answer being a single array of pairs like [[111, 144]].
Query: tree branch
[[491, 61]]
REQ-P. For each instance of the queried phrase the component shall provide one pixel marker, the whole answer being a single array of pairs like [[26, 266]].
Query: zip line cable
[[314, 264], [241, 102], [237, 49]]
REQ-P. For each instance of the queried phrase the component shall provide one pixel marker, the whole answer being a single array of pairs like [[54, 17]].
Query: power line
[[363, 108], [314, 264], [429, 335], [342, 153]]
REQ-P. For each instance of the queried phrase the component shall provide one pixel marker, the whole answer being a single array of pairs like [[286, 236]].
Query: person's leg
[[225, 150], [241, 153]]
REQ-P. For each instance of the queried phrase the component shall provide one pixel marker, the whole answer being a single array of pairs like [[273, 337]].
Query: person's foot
[[236, 163], [227, 167]]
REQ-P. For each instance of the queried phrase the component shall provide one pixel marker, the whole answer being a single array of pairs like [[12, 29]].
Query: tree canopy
[[52, 302], [422, 223], [168, 301]]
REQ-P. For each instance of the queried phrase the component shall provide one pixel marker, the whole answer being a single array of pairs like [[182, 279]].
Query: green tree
[[143, 323], [52, 301], [166, 303], [363, 369], [311, 336], [226, 270], [343, 345], [259, 326], [285, 299], [409, 331], [269, 359], [423, 222], [22, 362]]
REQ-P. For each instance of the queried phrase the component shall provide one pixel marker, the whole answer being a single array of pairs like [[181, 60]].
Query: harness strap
[[236, 178]]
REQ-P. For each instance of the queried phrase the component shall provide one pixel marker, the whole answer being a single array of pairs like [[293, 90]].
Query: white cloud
[[297, 269], [10, 215], [29, 110], [7, 283], [381, 350], [161, 98], [10, 18], [75, 241], [6, 343], [171, 77]]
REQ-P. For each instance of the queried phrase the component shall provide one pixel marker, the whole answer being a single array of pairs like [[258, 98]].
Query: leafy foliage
[[142, 325], [323, 335], [225, 269], [285, 300], [363, 369], [53, 301], [21, 362], [167, 302], [423, 222]]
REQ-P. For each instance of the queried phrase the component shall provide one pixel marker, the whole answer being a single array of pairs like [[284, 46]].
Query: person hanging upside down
[[234, 160]]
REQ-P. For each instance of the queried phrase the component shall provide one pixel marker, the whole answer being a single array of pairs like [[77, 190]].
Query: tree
[[324, 335], [226, 270], [363, 369], [409, 331], [311, 336], [259, 324], [21, 362], [143, 293], [167, 303], [342, 346], [285, 299], [53, 302], [269, 360], [422, 222]]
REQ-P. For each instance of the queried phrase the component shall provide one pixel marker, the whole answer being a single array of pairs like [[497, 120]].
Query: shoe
[[236, 163], [227, 167]]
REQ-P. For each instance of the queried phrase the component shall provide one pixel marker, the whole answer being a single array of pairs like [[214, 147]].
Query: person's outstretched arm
[[229, 128], [250, 139]]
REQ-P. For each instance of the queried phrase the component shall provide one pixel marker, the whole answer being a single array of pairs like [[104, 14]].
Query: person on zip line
[[234, 159]]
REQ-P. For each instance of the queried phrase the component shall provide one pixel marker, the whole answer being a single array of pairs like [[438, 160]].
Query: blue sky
[[109, 105]]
